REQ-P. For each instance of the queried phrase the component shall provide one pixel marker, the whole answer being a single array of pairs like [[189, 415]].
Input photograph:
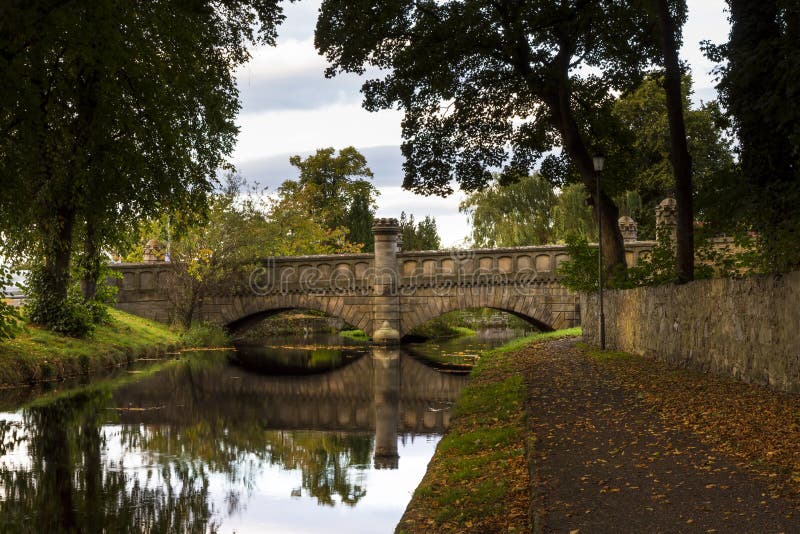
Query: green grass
[[37, 354], [463, 331], [520, 342], [358, 335], [478, 477]]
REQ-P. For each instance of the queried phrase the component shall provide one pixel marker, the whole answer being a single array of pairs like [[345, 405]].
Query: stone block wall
[[746, 328]]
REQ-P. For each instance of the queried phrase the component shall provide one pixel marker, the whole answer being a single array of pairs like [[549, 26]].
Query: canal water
[[306, 434]]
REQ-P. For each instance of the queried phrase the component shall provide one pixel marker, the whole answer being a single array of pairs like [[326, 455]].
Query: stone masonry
[[745, 328]]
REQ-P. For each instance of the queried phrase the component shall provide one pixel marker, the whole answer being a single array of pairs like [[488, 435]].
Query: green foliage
[[492, 64], [579, 273], [71, 317], [572, 218], [109, 111], [205, 335], [357, 335], [759, 80], [643, 147], [511, 215], [9, 318], [419, 236], [331, 184]]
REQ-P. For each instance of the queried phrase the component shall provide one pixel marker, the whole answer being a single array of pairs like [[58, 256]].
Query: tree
[[111, 111], [514, 215], [643, 145], [419, 236], [479, 81], [670, 19], [759, 86], [572, 218], [241, 228], [299, 226], [334, 189]]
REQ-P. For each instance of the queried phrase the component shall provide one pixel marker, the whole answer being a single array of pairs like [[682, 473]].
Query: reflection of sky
[[270, 507]]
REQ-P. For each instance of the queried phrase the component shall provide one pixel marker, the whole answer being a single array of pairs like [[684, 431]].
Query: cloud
[[301, 18], [271, 133], [291, 77], [707, 21], [384, 161]]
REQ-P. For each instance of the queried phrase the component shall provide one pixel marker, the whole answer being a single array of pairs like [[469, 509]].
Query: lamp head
[[599, 162]]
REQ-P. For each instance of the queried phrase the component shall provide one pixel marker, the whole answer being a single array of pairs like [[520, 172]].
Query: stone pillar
[[628, 228], [386, 302], [386, 382], [667, 219]]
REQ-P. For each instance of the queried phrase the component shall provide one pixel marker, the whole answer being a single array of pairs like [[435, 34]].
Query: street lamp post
[[599, 162]]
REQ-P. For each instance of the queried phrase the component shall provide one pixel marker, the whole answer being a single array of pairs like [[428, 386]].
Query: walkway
[[627, 445]]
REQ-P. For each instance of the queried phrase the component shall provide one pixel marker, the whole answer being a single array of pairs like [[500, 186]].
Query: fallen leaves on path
[[756, 425]]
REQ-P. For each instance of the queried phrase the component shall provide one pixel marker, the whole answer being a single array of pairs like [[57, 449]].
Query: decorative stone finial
[[153, 251], [667, 218], [386, 335], [628, 228]]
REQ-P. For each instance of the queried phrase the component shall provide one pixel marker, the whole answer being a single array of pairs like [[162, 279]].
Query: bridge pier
[[386, 299]]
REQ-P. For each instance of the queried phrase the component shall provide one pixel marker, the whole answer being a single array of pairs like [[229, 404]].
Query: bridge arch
[[547, 309], [244, 311]]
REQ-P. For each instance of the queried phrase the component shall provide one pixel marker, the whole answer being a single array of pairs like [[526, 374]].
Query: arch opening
[[471, 321], [286, 321]]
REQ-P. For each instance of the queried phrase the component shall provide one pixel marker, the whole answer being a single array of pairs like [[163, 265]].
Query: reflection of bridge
[[403, 289], [340, 400]]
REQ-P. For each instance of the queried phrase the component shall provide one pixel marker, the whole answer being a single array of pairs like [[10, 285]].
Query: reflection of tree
[[330, 463], [67, 487], [64, 468], [326, 460]]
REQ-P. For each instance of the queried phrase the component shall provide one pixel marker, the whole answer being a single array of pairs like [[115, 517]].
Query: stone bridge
[[391, 288]]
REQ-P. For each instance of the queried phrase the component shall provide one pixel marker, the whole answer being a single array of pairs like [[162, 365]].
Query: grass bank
[[357, 335], [37, 354], [478, 480]]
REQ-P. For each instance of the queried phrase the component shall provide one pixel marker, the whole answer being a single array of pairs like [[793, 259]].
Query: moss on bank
[[37, 354], [478, 480], [357, 335]]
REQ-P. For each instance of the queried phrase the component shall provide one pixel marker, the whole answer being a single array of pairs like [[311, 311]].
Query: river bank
[[38, 355], [478, 479]]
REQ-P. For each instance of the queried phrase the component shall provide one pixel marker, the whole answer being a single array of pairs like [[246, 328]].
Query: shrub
[[71, 317], [205, 335], [8, 314], [656, 268]]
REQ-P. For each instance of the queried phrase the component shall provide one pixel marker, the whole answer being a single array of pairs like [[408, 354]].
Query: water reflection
[[200, 445], [387, 406]]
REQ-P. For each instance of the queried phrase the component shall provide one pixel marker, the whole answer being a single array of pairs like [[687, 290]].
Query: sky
[[289, 107]]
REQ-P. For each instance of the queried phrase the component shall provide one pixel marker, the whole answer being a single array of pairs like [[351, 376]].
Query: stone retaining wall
[[746, 328]]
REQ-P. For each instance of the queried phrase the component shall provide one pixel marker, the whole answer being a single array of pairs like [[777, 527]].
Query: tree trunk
[[681, 160], [613, 244], [58, 257], [92, 264]]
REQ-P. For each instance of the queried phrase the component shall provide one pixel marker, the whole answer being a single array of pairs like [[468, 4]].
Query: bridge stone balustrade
[[401, 289]]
